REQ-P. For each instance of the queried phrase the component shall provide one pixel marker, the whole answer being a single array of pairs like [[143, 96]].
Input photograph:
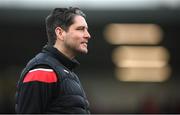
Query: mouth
[[84, 43]]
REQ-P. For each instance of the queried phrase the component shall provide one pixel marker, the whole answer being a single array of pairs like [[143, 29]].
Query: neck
[[65, 51]]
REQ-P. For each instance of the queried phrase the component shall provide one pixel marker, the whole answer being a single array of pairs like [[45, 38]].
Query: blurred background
[[133, 61]]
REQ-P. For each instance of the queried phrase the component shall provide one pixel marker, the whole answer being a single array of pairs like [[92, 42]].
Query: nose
[[87, 35]]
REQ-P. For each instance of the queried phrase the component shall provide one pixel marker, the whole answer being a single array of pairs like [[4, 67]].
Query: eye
[[80, 28]]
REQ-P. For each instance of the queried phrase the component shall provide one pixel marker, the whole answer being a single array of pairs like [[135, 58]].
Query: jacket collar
[[70, 64]]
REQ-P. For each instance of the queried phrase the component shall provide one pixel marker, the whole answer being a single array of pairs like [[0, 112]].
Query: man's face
[[77, 36]]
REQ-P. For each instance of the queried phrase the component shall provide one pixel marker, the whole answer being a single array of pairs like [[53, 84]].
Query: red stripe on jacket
[[41, 75]]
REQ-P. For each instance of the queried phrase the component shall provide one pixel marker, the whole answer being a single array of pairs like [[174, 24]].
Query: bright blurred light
[[140, 56], [143, 74], [133, 34]]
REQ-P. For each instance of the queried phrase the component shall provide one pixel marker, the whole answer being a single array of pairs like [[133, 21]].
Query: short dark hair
[[62, 17]]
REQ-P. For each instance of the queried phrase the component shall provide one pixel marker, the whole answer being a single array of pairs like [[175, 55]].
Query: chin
[[84, 51]]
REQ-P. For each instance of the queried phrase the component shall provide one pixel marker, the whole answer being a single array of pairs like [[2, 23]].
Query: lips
[[84, 43]]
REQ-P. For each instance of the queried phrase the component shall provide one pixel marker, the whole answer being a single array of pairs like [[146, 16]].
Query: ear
[[59, 33]]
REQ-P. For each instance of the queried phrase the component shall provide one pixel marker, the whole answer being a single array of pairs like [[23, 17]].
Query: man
[[48, 84]]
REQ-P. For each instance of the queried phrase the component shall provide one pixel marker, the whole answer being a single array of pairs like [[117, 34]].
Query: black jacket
[[48, 85]]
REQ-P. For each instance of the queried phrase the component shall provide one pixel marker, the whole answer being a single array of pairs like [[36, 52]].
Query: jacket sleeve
[[36, 91]]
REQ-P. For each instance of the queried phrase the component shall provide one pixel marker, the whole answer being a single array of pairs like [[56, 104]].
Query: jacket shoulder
[[45, 61]]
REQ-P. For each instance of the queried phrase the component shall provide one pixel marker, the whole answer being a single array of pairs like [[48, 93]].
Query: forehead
[[79, 21]]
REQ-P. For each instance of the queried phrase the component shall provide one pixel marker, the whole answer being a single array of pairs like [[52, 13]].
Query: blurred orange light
[[140, 56], [143, 74], [133, 33]]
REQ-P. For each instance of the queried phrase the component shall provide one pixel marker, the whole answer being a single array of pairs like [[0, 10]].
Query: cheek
[[74, 39], [73, 42]]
